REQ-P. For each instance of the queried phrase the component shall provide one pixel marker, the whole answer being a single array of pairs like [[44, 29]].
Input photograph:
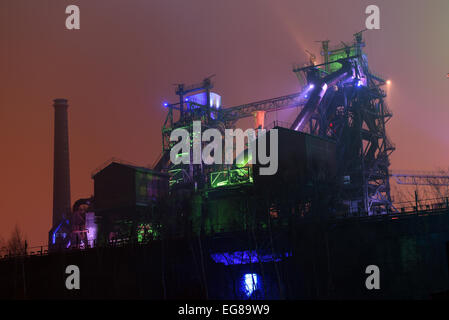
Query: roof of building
[[120, 162]]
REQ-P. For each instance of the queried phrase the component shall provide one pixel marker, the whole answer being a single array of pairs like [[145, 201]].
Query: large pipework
[[61, 170], [318, 91]]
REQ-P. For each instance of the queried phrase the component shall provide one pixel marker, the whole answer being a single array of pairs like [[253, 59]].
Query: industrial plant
[[195, 230]]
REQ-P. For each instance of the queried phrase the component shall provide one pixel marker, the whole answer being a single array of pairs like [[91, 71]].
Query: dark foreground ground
[[310, 261]]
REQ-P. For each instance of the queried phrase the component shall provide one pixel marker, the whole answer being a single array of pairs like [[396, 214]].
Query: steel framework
[[350, 108], [344, 102]]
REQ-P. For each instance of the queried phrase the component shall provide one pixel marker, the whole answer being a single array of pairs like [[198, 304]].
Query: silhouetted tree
[[3, 249], [17, 244]]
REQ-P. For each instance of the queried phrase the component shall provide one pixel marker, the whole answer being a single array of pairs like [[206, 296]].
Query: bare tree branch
[[17, 243]]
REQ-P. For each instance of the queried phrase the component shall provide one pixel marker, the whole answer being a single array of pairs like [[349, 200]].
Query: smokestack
[[61, 170]]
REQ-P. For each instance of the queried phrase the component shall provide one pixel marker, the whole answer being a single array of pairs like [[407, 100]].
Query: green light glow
[[246, 159], [180, 155], [145, 232], [231, 177], [175, 176], [340, 54]]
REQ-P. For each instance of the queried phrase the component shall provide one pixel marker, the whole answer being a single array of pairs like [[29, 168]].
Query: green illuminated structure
[[231, 177], [146, 232]]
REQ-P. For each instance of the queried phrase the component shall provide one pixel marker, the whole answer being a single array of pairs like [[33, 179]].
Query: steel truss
[[353, 115]]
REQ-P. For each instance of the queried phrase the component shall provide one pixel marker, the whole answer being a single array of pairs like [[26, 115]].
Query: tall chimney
[[61, 170]]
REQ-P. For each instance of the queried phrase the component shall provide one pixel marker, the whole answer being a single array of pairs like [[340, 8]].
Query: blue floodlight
[[250, 283]]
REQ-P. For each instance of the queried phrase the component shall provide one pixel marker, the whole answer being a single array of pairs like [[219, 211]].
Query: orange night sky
[[120, 66]]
